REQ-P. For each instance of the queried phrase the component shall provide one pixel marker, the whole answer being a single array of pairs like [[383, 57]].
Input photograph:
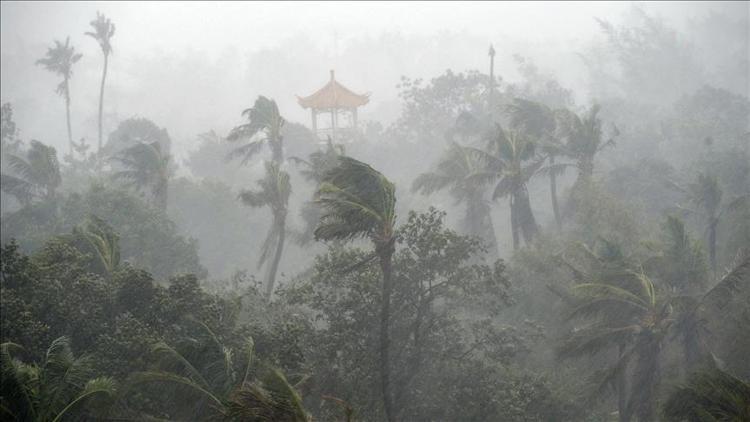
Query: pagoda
[[337, 101]]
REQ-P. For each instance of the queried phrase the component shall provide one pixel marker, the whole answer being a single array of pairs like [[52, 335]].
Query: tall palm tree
[[50, 392], [314, 170], [146, 166], [625, 313], [540, 122], [37, 176], [273, 192], [264, 120], [504, 160], [60, 60], [359, 202], [103, 32], [583, 139], [455, 171]]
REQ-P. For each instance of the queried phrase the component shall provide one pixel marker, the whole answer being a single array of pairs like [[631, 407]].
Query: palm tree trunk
[[385, 253], [478, 223], [712, 242], [524, 215], [101, 108], [514, 222], [281, 227], [553, 192], [67, 118]]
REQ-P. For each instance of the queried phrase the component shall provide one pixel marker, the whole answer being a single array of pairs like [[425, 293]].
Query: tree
[[709, 395], [455, 171], [358, 201], [503, 160], [37, 176], [103, 32], [146, 166], [583, 139], [314, 171], [60, 60], [274, 190], [626, 313], [264, 120], [99, 237], [53, 391], [539, 122]]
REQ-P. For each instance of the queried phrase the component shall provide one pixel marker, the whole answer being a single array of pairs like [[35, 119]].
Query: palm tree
[[583, 139], [359, 202], [540, 122], [504, 161], [229, 395], [273, 191], [50, 392], [104, 29], [455, 171], [314, 170], [709, 395], [627, 314], [37, 176], [60, 60], [265, 120], [146, 166], [102, 239]]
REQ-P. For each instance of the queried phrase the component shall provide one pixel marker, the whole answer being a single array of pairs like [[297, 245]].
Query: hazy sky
[[194, 66]]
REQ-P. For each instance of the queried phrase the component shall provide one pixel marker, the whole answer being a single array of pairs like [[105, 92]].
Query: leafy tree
[[103, 32], [456, 172], [274, 190], [264, 120], [136, 130], [102, 240], [358, 201], [146, 166], [60, 60], [37, 174], [8, 130], [50, 392]]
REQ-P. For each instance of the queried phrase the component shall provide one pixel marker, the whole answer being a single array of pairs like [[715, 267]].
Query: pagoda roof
[[333, 95]]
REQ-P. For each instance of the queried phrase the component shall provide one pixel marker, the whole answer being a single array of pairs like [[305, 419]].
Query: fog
[[533, 211]]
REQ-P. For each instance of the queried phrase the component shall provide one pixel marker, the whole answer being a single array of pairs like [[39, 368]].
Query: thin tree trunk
[[712, 242], [67, 118], [281, 226], [525, 216], [553, 192], [385, 252], [101, 109], [514, 222]]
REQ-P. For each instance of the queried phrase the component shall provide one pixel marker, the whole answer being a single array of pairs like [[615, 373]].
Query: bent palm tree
[[274, 190], [359, 202], [103, 32], [540, 122], [709, 395], [504, 161], [102, 239], [583, 138], [50, 392], [265, 120], [37, 176], [146, 166], [455, 171], [60, 60]]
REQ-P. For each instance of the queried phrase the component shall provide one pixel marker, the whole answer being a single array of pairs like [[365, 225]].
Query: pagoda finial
[[332, 78]]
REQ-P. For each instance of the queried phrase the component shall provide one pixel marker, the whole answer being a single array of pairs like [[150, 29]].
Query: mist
[[519, 211]]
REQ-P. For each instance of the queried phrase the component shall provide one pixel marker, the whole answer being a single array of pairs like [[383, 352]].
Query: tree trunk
[[712, 242], [514, 222], [281, 227], [553, 193], [385, 253], [67, 117], [524, 216], [478, 222], [622, 392], [101, 109], [162, 195]]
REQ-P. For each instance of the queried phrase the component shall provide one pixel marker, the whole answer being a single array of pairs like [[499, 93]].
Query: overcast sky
[[193, 66]]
